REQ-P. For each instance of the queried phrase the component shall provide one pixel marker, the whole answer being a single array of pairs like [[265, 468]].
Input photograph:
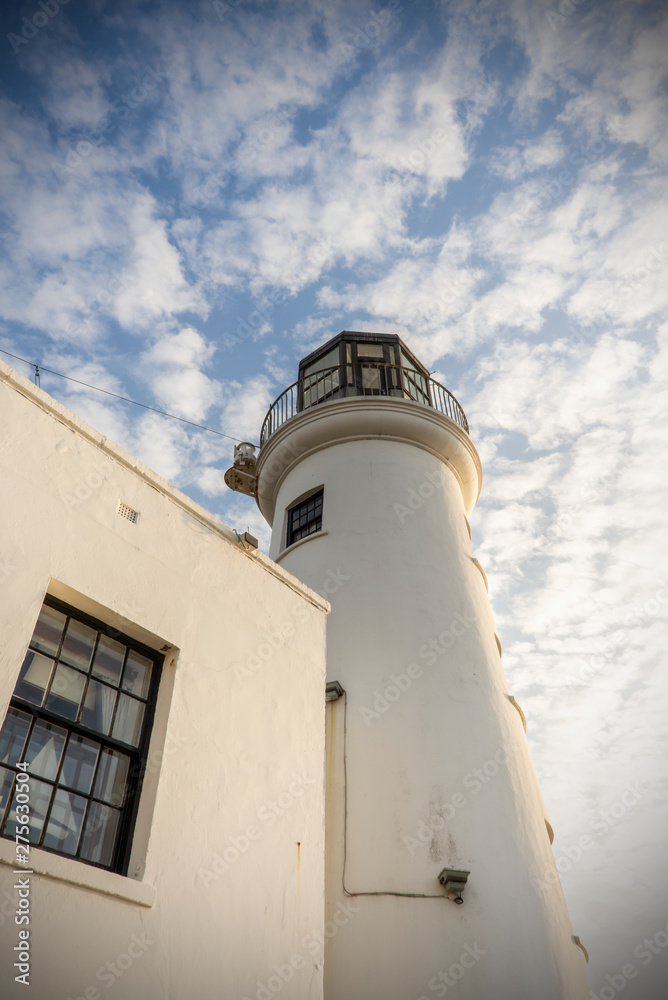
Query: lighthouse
[[440, 877]]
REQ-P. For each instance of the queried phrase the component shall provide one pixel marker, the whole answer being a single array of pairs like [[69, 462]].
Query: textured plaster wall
[[420, 721], [239, 729]]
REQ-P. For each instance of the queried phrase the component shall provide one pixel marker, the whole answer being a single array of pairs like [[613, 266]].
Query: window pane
[[328, 360], [79, 792], [414, 390], [305, 519], [65, 820], [39, 797], [370, 378], [13, 735], [137, 674], [111, 777], [99, 837], [48, 630], [65, 692], [370, 351], [316, 389], [6, 779], [108, 661], [98, 707], [329, 383], [34, 677], [78, 644], [45, 749], [128, 721], [79, 764], [309, 529]]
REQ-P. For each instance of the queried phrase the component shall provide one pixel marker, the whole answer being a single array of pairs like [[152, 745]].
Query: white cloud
[[527, 156], [211, 482], [246, 406], [172, 367]]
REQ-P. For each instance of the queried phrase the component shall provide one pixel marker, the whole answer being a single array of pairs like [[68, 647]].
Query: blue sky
[[194, 196]]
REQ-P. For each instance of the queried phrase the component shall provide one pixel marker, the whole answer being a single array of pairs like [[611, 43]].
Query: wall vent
[[127, 512]]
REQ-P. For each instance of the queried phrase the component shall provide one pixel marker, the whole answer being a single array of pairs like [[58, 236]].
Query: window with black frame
[[305, 518], [80, 718], [321, 380]]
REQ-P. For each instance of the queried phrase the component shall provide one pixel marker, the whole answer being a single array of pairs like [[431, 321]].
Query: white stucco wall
[[437, 767], [239, 727]]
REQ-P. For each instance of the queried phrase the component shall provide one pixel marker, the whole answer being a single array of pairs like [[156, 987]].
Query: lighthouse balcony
[[360, 364], [358, 387]]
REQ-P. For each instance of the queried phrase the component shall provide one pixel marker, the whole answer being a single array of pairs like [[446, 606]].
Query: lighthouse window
[[371, 351], [75, 739], [321, 379], [415, 384], [305, 518]]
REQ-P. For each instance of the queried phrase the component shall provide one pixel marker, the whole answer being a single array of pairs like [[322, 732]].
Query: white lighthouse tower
[[440, 875]]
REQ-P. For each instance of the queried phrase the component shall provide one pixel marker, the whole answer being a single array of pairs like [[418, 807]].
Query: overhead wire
[[126, 399]]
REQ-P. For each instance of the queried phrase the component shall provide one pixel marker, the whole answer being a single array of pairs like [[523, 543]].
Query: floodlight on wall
[[333, 691], [241, 476], [247, 540], [453, 881]]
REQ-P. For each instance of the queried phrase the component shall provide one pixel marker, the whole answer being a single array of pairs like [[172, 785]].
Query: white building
[[195, 827]]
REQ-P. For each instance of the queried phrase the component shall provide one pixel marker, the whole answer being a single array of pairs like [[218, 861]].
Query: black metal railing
[[367, 378]]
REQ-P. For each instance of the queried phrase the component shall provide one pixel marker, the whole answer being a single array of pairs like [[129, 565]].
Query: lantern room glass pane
[[328, 360], [371, 351], [318, 389], [371, 378]]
